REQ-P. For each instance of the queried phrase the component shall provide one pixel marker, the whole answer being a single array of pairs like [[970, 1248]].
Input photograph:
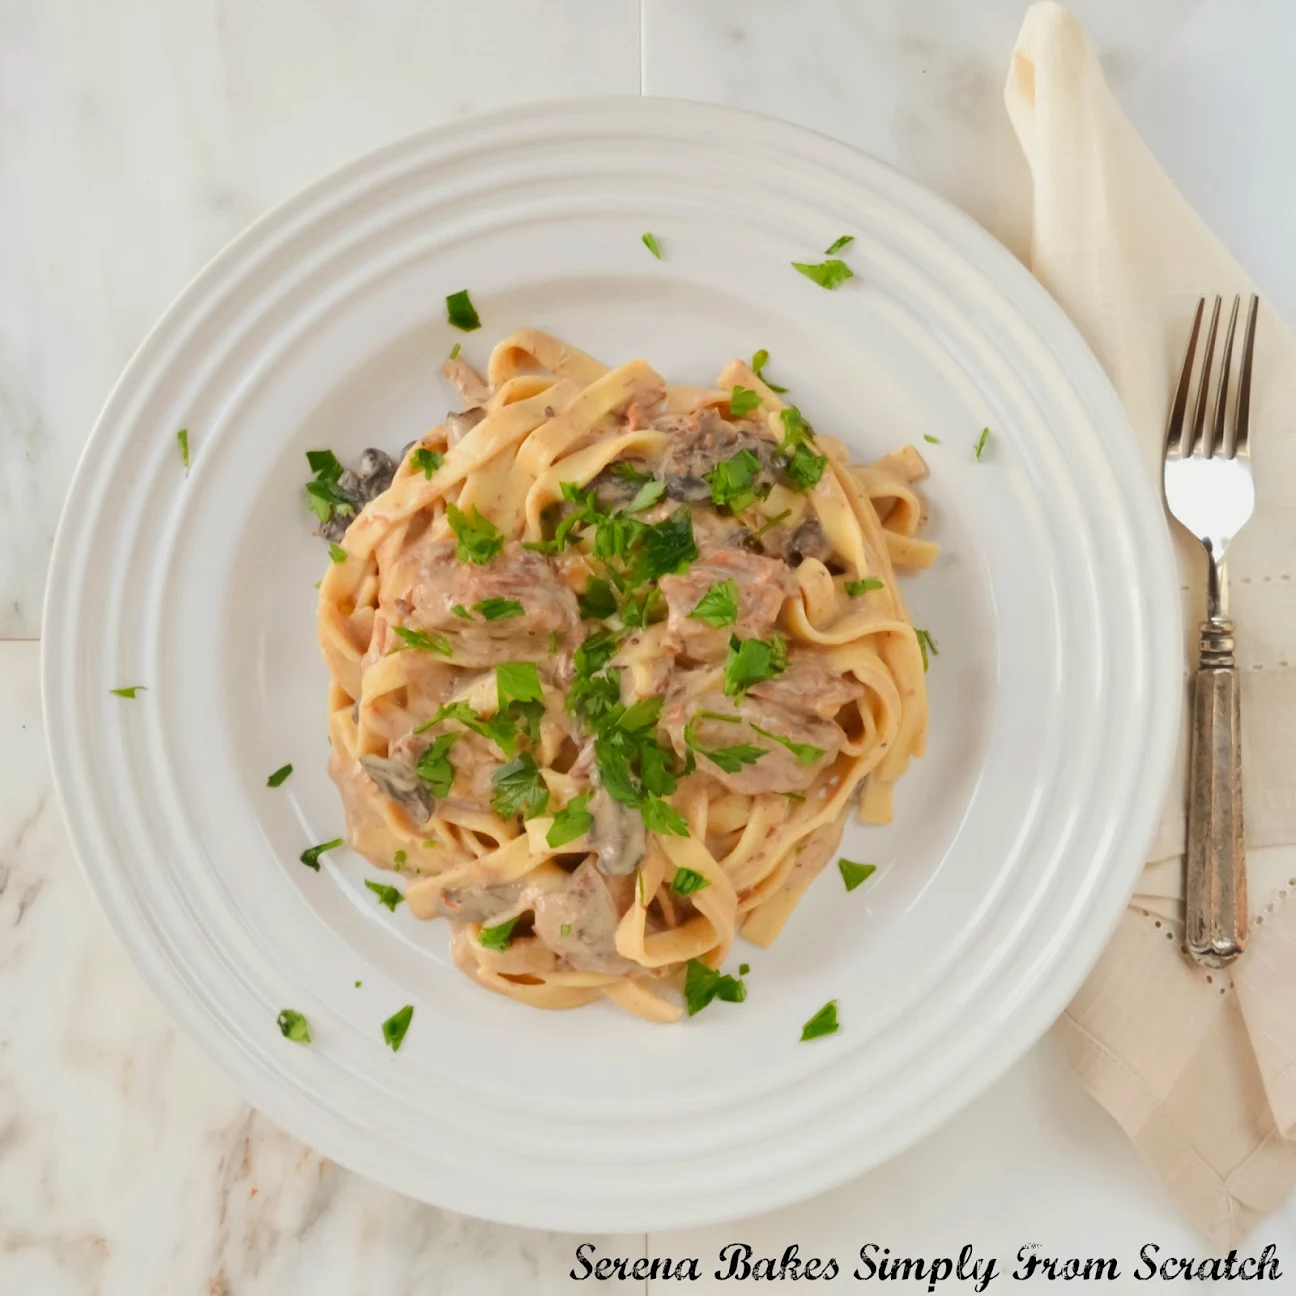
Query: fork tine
[[1218, 441], [1242, 419], [1175, 423], [1195, 441]]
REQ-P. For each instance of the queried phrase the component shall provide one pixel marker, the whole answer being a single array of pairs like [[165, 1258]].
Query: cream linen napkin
[[1199, 1068]]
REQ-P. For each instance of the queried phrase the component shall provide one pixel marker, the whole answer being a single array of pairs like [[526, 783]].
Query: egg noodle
[[725, 667]]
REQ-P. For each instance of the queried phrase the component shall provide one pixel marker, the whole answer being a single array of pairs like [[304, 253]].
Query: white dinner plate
[[1016, 839]]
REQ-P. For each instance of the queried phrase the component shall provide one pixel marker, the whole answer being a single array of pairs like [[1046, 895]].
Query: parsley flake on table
[[277, 778], [461, 313], [926, 644], [702, 984], [981, 443], [824, 1022], [310, 856], [718, 607], [426, 461], [479, 538], [806, 753], [758, 363], [129, 692], [856, 588], [571, 822], [519, 788], [182, 438], [750, 661], [853, 874], [434, 766], [650, 242], [387, 895], [733, 482], [499, 609], [839, 243], [827, 274], [422, 641], [743, 401], [498, 937], [293, 1026], [686, 881], [394, 1028]]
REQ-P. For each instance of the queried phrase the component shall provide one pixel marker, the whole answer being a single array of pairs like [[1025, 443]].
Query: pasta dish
[[611, 663]]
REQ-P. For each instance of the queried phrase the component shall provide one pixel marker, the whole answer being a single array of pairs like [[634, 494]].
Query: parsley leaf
[[479, 538], [434, 766], [499, 937], [454, 351], [571, 822], [853, 874], [742, 401], [337, 553], [750, 661], [428, 461], [927, 436], [824, 1022], [856, 588], [839, 243], [499, 729], [519, 787], [517, 682], [499, 609], [660, 816], [703, 984], [733, 482], [399, 859], [293, 1026], [718, 606], [183, 438], [773, 522], [648, 494], [324, 464], [624, 470], [461, 312], [461, 612], [387, 895], [827, 274], [326, 498], [310, 856], [806, 753], [744, 968], [598, 602], [758, 363], [423, 641], [981, 444], [129, 692], [686, 881], [565, 929], [926, 644], [729, 759], [278, 777], [650, 242], [804, 467], [668, 547], [394, 1028]]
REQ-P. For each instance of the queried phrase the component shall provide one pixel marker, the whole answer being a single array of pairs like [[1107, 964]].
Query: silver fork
[[1209, 490]]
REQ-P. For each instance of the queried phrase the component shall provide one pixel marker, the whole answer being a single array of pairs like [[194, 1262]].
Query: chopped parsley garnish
[[399, 859], [293, 1026], [499, 609], [927, 436], [926, 644], [806, 753], [687, 880], [461, 612], [668, 547], [624, 470], [554, 642], [598, 602], [326, 498], [703, 984], [434, 766], [499, 937], [650, 242], [856, 588], [839, 243], [758, 363], [387, 895], [572, 821], [461, 312], [827, 274], [824, 1022], [129, 692], [183, 438], [718, 606], [853, 874], [804, 467], [423, 641], [733, 482], [742, 401], [519, 787], [744, 968], [981, 444], [647, 495], [638, 611], [565, 929], [660, 816], [729, 759], [337, 553], [279, 776], [517, 682], [773, 522], [750, 661], [499, 729], [795, 796], [479, 538], [394, 1028], [310, 856], [426, 461], [454, 351]]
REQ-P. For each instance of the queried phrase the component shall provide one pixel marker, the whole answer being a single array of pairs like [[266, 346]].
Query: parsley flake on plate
[[310, 856], [744, 968], [853, 874], [461, 313], [479, 538], [686, 881], [750, 661], [650, 242], [981, 443], [499, 937], [454, 351], [293, 1026], [856, 588], [827, 274], [387, 895], [426, 461], [758, 363], [702, 984], [129, 692], [824, 1022], [927, 436], [394, 1028], [839, 243], [571, 822], [279, 776], [423, 641], [718, 607], [325, 496], [182, 438], [499, 609]]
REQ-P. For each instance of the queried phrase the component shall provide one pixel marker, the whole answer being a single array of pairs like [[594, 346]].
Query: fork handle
[[1216, 863]]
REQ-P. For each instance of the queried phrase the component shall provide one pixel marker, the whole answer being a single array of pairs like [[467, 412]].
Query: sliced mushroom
[[699, 442], [617, 835], [400, 782], [809, 540], [479, 904], [459, 425]]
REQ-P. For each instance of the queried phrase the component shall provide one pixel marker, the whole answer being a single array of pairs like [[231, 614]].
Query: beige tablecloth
[[1199, 1068]]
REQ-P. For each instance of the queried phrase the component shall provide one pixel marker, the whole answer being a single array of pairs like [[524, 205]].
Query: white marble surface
[[135, 139]]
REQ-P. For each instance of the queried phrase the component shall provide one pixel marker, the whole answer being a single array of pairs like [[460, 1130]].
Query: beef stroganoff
[[611, 663]]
